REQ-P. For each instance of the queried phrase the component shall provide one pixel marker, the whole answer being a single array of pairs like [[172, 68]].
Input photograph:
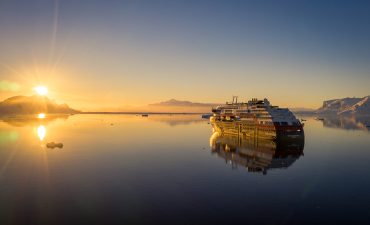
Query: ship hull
[[251, 129]]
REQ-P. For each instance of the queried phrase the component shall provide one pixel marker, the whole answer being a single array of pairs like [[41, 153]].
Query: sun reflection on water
[[41, 116], [41, 132]]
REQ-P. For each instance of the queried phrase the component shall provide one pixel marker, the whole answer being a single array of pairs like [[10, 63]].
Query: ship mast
[[235, 99]]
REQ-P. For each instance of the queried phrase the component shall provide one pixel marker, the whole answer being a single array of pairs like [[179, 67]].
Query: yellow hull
[[244, 128]]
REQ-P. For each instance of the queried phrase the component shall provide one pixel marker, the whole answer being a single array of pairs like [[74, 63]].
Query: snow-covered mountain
[[346, 106]]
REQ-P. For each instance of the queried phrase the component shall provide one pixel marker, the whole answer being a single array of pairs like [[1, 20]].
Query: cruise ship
[[256, 118]]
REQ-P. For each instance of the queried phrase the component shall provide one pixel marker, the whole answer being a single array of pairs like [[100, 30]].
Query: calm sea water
[[127, 169]]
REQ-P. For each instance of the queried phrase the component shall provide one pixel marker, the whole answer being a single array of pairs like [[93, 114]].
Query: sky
[[105, 54]]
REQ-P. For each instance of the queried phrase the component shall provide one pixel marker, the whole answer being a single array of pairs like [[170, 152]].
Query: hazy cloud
[[9, 86]]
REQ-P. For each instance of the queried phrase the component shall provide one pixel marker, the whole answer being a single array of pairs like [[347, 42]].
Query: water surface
[[163, 170]]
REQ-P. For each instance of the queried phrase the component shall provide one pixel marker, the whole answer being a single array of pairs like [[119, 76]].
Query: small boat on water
[[207, 116], [144, 115]]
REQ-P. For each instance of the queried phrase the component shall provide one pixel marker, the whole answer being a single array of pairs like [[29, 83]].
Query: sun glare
[[41, 116], [41, 90]]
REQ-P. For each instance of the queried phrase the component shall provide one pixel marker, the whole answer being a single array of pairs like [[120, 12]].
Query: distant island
[[33, 105], [174, 102], [174, 105]]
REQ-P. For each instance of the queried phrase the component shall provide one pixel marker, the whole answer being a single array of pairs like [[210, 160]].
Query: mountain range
[[33, 105], [40, 104], [343, 106]]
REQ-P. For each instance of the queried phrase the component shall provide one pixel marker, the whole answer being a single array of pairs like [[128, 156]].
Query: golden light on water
[[41, 90], [41, 132], [41, 116]]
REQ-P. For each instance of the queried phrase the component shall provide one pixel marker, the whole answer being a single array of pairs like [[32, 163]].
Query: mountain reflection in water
[[176, 119], [33, 119], [255, 154], [347, 122]]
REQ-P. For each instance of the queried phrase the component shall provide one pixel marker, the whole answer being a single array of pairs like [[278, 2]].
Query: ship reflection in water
[[256, 154]]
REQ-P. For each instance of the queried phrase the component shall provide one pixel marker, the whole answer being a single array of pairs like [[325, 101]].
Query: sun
[[41, 90]]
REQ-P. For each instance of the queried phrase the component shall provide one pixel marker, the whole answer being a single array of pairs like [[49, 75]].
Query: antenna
[[235, 99]]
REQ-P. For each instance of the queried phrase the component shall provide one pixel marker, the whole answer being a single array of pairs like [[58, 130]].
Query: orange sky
[[97, 56]]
